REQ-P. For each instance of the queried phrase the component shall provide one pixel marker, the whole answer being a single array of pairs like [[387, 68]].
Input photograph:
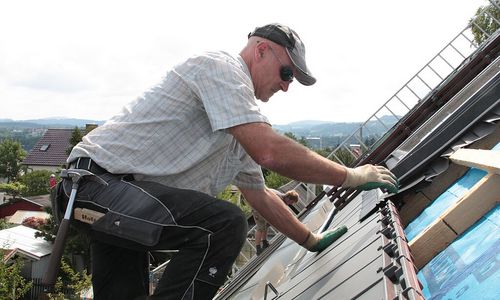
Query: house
[[50, 152], [35, 203], [20, 241]]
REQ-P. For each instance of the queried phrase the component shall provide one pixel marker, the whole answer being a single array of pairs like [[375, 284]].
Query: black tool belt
[[86, 163]]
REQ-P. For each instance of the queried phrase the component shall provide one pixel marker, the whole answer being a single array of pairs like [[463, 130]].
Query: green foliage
[[36, 182], [76, 137], [74, 281], [483, 24], [343, 156], [77, 243], [27, 137], [11, 156], [48, 231], [15, 189], [301, 141], [275, 180], [12, 284], [324, 152], [234, 197], [4, 224]]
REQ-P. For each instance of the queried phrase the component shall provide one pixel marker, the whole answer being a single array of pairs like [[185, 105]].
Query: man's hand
[[368, 177], [318, 242]]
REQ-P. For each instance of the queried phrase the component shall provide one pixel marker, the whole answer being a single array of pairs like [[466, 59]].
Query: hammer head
[[76, 174]]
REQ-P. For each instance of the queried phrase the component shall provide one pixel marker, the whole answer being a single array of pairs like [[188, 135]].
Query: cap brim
[[303, 75]]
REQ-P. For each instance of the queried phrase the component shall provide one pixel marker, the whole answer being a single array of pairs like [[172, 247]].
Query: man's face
[[275, 72], [289, 201]]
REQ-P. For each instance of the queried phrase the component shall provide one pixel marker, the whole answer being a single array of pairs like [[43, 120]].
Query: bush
[[36, 182], [14, 189]]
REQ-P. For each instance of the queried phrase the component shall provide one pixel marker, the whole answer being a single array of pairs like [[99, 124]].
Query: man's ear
[[260, 49]]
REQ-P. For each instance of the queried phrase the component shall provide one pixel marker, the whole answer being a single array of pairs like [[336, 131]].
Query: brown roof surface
[[55, 155], [42, 200]]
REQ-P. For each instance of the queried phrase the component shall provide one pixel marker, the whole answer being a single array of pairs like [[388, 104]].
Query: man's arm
[[285, 156], [274, 210], [270, 206]]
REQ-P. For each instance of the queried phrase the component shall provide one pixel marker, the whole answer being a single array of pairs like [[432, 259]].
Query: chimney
[[90, 127]]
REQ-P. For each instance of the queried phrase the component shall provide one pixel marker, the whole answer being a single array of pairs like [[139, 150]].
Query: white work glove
[[368, 177]]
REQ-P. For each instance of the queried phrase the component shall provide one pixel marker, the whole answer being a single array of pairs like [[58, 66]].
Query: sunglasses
[[286, 72]]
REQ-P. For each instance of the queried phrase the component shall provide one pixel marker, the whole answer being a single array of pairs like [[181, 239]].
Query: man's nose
[[284, 85]]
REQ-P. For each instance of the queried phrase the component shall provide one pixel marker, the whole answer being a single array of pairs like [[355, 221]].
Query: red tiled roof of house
[[50, 150]]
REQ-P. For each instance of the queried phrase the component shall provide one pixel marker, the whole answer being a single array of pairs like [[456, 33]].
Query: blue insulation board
[[445, 200], [470, 267]]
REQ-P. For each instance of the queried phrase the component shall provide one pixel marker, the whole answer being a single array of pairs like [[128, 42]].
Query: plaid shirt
[[175, 133]]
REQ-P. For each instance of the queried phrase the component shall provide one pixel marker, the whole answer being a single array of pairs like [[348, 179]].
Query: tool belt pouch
[[58, 201], [133, 229]]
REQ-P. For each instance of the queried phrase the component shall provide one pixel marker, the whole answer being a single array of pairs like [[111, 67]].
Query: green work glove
[[393, 189], [368, 177], [318, 242]]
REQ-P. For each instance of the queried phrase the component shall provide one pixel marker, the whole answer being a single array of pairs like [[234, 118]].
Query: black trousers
[[142, 216]]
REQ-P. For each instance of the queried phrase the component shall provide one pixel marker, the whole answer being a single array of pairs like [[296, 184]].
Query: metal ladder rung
[[437, 74], [452, 68], [423, 81], [452, 46], [402, 102], [380, 121]]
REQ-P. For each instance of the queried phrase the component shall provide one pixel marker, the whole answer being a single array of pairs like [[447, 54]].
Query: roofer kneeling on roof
[[170, 151]]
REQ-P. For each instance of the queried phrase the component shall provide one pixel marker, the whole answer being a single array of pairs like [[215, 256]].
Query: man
[[52, 181], [261, 243], [168, 152]]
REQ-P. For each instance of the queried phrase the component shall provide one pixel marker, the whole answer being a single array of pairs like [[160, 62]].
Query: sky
[[86, 59]]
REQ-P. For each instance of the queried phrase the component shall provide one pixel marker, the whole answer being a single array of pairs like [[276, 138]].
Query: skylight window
[[44, 147]]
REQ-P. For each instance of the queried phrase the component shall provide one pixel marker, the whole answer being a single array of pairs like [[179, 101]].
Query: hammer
[[75, 175]]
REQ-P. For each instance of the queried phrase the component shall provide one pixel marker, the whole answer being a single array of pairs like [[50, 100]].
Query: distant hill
[[48, 123], [335, 129], [331, 133]]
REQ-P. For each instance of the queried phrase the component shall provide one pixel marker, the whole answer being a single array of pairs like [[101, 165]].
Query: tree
[[12, 284], [4, 224], [36, 182], [74, 281], [11, 156], [77, 243], [275, 180], [234, 197], [76, 137], [483, 24], [14, 189], [301, 141]]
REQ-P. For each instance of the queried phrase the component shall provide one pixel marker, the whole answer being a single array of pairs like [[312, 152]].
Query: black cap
[[286, 37]]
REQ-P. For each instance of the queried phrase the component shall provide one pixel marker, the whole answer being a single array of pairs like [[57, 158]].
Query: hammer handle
[[57, 251]]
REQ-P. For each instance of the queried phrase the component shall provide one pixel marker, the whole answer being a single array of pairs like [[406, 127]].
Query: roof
[[373, 260], [23, 239], [40, 200], [51, 149]]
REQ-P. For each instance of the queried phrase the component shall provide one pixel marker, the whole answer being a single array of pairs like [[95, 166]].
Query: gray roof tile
[[55, 154]]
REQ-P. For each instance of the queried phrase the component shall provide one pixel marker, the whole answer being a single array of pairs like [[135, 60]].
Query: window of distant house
[[44, 147]]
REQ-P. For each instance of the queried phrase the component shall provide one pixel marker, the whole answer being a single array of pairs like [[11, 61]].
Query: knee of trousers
[[236, 229]]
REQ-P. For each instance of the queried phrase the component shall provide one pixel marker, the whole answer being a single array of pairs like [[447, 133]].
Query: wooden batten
[[487, 160], [480, 199]]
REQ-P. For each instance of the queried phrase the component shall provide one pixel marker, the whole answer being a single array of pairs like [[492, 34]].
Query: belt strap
[[86, 163]]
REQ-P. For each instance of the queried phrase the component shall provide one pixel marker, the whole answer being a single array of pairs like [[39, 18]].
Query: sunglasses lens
[[286, 73]]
